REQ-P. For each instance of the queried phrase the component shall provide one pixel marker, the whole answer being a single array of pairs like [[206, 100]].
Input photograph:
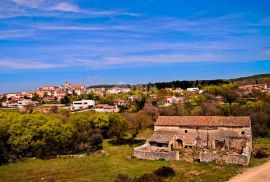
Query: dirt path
[[256, 174]]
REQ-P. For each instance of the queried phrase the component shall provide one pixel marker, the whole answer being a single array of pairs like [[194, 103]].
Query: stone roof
[[161, 137], [239, 121]]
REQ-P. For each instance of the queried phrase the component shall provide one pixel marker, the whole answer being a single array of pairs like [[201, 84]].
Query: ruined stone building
[[208, 138]]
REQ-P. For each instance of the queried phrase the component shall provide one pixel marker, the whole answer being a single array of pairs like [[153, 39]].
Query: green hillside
[[261, 78]]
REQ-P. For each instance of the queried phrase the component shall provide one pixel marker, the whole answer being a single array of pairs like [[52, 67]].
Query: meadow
[[116, 159]]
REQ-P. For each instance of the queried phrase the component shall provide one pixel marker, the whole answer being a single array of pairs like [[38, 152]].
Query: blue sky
[[105, 41]]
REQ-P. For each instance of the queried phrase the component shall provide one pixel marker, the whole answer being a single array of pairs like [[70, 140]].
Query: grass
[[116, 159], [9, 109], [260, 143], [146, 133]]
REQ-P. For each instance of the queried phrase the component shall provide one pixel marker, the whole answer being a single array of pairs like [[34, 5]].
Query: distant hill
[[261, 78]]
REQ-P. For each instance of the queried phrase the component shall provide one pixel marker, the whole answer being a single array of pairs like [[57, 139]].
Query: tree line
[[46, 136], [187, 84]]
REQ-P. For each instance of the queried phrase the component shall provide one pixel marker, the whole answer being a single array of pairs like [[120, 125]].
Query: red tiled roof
[[100, 105], [108, 107], [13, 101], [239, 121], [168, 97], [104, 106], [49, 98]]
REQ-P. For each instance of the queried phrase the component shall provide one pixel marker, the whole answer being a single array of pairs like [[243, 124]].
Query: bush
[[260, 153], [164, 172], [123, 178], [149, 177]]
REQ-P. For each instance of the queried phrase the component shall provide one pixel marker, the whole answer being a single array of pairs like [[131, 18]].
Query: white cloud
[[14, 34], [78, 28], [48, 5], [29, 3], [172, 58], [66, 7], [15, 64], [69, 28], [53, 8]]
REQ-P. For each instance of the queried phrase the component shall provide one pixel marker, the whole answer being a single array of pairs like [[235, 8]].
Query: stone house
[[106, 108], [169, 100], [215, 138]]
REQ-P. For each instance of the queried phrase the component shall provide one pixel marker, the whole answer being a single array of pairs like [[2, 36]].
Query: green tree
[[65, 100], [260, 124], [35, 97], [188, 106], [137, 122], [87, 130], [101, 121], [24, 134], [228, 92], [118, 125]]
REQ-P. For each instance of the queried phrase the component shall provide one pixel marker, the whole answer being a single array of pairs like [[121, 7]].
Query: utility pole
[[207, 137]]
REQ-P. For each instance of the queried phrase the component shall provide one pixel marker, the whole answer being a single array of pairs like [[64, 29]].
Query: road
[[256, 174]]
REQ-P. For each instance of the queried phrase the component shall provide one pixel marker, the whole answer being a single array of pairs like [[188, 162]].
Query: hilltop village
[[120, 98]]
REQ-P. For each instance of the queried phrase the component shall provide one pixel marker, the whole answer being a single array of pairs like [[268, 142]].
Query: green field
[[116, 159]]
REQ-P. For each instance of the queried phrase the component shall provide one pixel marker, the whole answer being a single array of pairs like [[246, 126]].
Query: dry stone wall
[[207, 156], [173, 155]]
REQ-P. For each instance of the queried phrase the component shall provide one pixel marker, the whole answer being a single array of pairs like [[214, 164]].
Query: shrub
[[123, 178], [149, 177], [260, 153], [164, 172]]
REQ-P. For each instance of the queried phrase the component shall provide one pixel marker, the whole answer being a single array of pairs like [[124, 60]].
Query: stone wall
[[206, 156], [141, 154], [207, 135]]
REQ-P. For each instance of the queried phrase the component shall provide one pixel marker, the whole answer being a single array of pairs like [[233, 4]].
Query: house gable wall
[[207, 136]]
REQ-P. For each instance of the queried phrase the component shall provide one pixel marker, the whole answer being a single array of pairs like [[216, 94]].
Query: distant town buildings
[[118, 90], [51, 94], [250, 87], [97, 91]]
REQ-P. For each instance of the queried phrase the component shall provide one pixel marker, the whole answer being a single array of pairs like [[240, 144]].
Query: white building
[[11, 95], [83, 104], [18, 103], [195, 89], [24, 103]]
